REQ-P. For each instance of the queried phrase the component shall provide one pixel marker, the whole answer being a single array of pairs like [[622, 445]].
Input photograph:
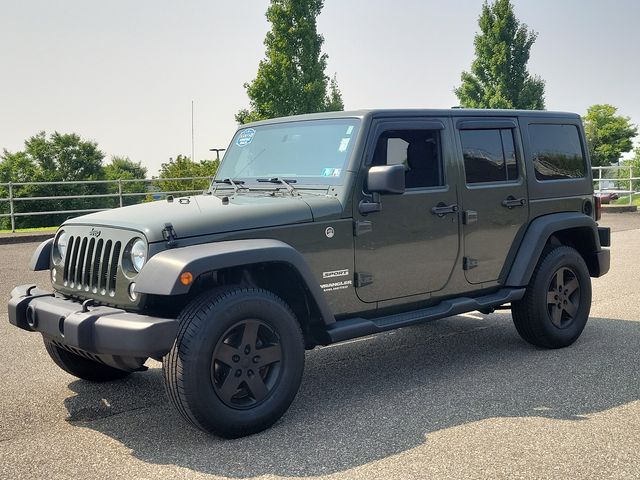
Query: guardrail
[[153, 187], [619, 176]]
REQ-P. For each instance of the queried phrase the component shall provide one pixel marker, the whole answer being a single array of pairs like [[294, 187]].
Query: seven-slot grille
[[91, 265]]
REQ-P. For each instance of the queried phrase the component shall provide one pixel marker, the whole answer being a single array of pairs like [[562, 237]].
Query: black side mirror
[[387, 179]]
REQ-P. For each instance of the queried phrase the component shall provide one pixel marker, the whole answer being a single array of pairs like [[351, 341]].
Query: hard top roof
[[418, 112]]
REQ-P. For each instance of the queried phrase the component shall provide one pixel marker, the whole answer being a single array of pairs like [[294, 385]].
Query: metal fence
[[153, 189], [617, 182]]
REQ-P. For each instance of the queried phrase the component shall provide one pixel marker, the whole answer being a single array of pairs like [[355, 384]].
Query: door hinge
[[363, 278], [468, 263], [361, 227], [469, 217]]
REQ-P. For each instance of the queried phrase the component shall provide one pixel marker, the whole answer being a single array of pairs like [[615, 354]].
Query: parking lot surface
[[457, 398]]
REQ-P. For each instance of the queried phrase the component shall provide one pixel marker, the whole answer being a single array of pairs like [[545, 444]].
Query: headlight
[[138, 254], [60, 246]]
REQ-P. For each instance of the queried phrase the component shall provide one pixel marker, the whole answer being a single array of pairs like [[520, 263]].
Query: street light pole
[[217, 150]]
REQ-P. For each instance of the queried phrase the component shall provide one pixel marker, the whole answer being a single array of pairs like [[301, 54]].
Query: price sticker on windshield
[[245, 137]]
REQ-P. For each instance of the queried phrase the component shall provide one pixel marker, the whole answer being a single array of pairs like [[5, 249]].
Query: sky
[[124, 73]]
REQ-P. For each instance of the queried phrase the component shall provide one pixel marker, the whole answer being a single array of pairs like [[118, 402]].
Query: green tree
[[55, 158], [609, 135], [291, 79], [499, 77], [123, 168], [182, 167]]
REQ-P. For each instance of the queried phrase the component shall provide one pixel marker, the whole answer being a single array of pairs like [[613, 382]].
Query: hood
[[207, 214]]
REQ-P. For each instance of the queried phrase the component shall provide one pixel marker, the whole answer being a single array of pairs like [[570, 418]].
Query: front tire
[[237, 362], [82, 367], [556, 305]]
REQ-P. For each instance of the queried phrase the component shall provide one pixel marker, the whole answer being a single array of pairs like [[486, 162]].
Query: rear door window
[[556, 151], [489, 155]]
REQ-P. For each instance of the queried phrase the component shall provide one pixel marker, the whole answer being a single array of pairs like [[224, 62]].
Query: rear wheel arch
[[573, 229]]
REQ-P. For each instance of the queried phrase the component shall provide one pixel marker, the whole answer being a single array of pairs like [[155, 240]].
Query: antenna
[[193, 159]]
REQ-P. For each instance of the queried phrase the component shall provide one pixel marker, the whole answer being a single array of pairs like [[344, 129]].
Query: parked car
[[318, 229]]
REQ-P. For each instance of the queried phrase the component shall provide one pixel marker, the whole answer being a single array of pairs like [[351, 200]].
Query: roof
[[417, 112]]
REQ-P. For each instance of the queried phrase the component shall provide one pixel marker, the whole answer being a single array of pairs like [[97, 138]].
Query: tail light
[[598, 204]]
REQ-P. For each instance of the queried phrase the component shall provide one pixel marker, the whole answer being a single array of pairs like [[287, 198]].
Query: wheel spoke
[[571, 286], [229, 387], [225, 354], [556, 316], [269, 355], [250, 334], [552, 298], [257, 387], [571, 308], [560, 279]]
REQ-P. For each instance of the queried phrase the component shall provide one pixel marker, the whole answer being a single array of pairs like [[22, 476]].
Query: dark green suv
[[318, 229]]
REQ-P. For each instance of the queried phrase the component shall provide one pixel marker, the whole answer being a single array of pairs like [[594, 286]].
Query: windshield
[[307, 152]]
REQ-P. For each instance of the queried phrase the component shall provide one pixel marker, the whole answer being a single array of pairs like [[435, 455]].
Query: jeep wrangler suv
[[317, 229]]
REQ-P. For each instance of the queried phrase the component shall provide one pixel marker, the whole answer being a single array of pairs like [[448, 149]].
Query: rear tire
[[82, 367], [556, 305], [237, 362]]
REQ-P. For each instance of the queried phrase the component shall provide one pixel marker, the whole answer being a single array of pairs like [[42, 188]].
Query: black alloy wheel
[[246, 364], [563, 297]]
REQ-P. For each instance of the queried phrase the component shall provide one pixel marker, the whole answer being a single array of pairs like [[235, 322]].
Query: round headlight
[[138, 254], [61, 244]]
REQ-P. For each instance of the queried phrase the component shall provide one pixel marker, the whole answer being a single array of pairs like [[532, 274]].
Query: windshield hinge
[[169, 234]]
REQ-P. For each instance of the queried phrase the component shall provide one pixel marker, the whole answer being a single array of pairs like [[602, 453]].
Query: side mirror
[[386, 179]]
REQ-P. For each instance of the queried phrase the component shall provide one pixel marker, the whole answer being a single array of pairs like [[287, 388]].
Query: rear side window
[[489, 155], [556, 151]]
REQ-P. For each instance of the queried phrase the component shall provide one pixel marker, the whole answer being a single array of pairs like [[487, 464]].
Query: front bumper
[[102, 331]]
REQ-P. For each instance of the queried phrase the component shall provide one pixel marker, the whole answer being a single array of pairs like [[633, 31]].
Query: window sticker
[[331, 172], [344, 143], [245, 137], [349, 130]]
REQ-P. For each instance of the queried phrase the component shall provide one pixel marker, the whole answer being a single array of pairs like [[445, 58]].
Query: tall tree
[[609, 135], [183, 167], [291, 78], [499, 77], [55, 158]]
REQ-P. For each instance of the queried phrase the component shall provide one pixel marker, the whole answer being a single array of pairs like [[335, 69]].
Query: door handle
[[511, 202], [443, 209]]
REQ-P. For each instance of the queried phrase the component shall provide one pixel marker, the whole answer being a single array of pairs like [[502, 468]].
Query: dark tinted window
[[417, 150], [557, 152], [489, 155]]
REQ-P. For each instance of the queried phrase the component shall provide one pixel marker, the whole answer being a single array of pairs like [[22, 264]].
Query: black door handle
[[511, 202], [442, 209]]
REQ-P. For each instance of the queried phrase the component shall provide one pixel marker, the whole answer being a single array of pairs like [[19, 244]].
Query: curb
[[12, 238], [619, 208]]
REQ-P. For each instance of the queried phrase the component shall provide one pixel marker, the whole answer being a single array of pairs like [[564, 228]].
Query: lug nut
[[250, 373], [256, 359], [238, 372], [235, 358], [247, 350]]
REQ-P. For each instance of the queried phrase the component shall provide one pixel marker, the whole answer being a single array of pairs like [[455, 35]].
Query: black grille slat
[[74, 262], [80, 264], [104, 266], [67, 260], [113, 268], [88, 258], [95, 270]]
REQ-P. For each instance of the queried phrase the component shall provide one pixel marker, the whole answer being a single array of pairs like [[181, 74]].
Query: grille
[[91, 265]]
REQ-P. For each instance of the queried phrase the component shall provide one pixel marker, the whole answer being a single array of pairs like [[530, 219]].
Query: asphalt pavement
[[458, 398]]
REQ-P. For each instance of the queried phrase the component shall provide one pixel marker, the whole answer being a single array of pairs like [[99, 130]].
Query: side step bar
[[360, 327]]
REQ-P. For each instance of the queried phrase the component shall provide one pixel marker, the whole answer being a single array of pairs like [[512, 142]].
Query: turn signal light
[[186, 278]]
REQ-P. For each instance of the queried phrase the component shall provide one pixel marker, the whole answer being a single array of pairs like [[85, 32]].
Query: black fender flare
[[161, 274], [535, 238], [41, 256]]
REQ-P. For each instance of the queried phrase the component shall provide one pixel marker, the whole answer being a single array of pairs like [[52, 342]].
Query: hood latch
[[169, 234]]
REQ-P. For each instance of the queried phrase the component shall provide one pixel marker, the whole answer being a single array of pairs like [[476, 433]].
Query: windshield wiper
[[236, 184], [286, 182]]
